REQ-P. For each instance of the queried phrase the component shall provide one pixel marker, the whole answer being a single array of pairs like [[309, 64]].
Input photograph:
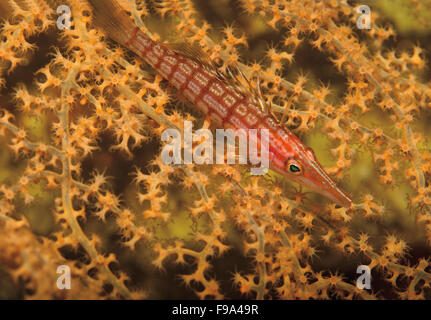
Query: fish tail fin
[[114, 21]]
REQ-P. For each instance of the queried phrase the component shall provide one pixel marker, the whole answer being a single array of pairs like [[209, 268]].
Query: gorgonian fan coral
[[82, 183]]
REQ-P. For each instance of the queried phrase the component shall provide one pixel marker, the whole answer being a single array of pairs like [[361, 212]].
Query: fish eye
[[294, 167]]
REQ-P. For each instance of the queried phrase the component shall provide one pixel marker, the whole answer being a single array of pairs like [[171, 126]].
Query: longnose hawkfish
[[220, 101]]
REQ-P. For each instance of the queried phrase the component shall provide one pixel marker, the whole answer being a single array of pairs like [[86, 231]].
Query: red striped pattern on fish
[[223, 104]]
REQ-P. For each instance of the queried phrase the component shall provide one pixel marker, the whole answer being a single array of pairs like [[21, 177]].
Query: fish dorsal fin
[[265, 106], [255, 93], [193, 53], [233, 76]]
